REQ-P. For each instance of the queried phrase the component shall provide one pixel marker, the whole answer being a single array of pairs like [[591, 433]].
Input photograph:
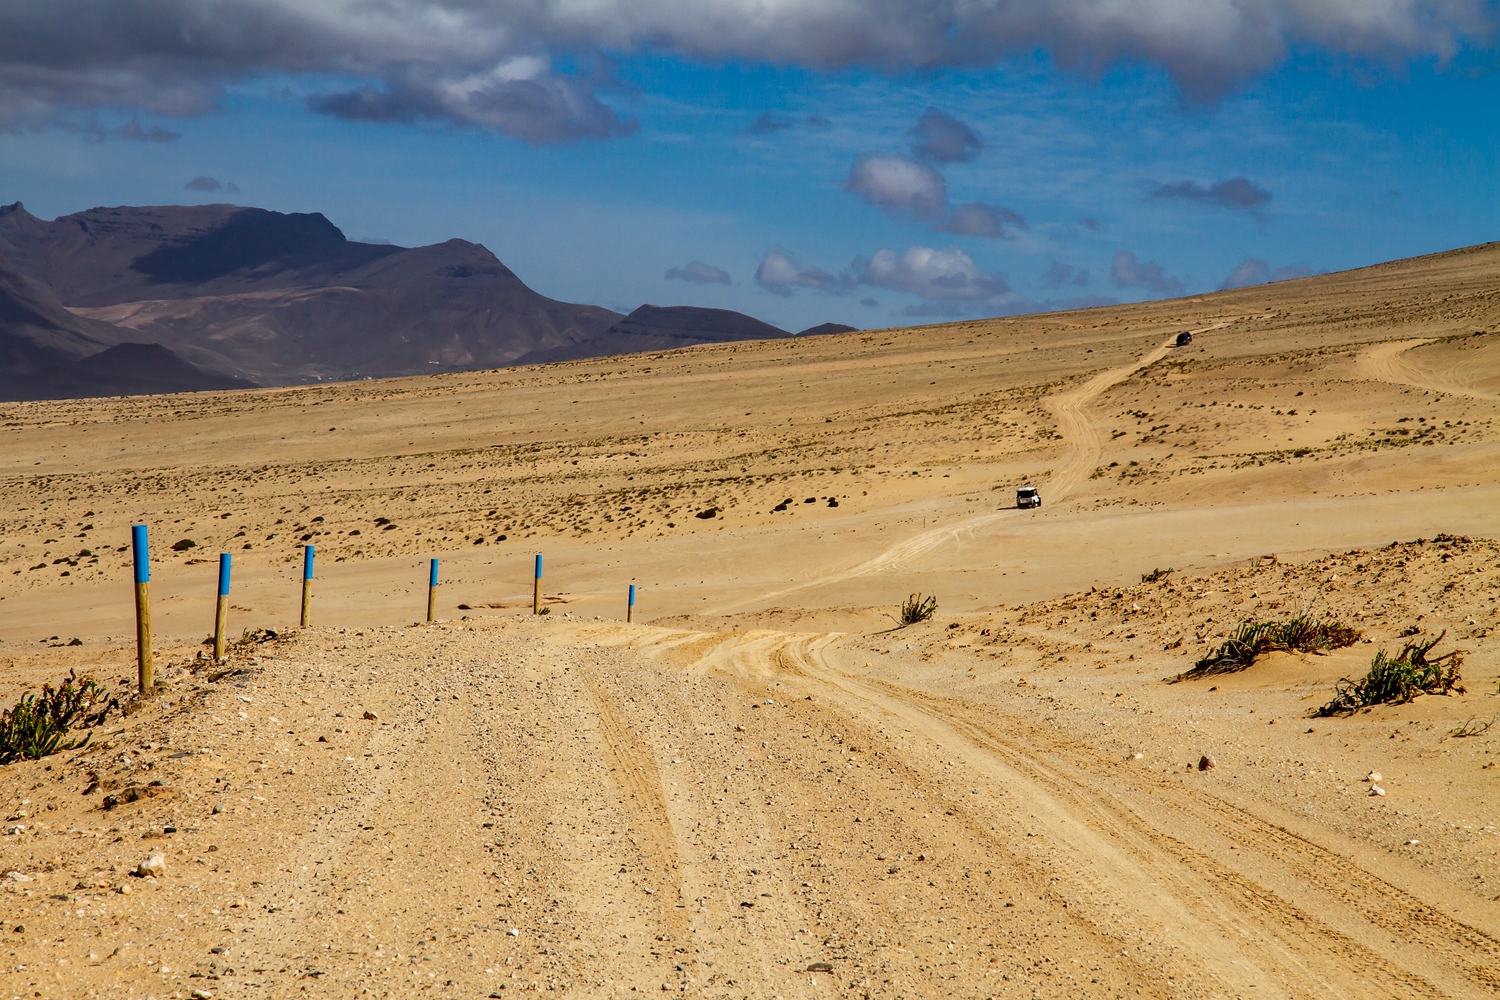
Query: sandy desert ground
[[760, 788]]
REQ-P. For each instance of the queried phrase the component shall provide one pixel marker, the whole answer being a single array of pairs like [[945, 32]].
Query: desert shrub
[[1396, 680], [916, 608], [37, 725], [1156, 574], [1251, 639]]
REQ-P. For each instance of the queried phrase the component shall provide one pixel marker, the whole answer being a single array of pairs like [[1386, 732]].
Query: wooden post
[[141, 550], [221, 613], [630, 606], [536, 587], [432, 591], [307, 578]]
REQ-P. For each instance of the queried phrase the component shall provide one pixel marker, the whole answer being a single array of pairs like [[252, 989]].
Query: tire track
[[1384, 363], [633, 769], [1296, 919], [1070, 409], [1356, 901]]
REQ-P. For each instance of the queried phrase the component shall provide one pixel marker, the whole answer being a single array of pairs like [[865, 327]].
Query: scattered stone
[[370, 716], [706, 514], [513, 933], [1207, 762], [156, 864], [201, 994], [820, 967], [18, 876], [1376, 790], [1137, 755], [1374, 776], [1413, 842]]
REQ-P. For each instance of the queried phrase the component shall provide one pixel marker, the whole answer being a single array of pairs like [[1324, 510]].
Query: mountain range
[[228, 296]]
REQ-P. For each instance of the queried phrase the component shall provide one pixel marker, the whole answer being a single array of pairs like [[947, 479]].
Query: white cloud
[[1128, 272], [936, 275], [700, 273], [780, 273], [977, 219], [898, 185], [1254, 271]]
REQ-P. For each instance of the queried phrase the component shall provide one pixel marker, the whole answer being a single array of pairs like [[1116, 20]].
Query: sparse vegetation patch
[[1396, 680], [38, 724], [1252, 639], [916, 608]]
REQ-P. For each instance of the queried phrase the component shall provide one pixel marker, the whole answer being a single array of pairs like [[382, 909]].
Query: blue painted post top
[[142, 552], [538, 565], [432, 577], [632, 595], [224, 560], [307, 562]]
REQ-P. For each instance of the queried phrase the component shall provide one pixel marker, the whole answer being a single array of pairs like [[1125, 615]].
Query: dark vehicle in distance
[[1027, 497]]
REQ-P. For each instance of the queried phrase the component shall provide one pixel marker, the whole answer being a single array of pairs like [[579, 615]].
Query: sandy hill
[[760, 787]]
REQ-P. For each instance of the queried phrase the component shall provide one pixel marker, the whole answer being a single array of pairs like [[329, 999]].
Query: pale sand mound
[[767, 779]]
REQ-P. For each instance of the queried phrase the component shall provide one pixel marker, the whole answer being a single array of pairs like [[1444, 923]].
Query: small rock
[[1374, 776], [820, 967], [1137, 755], [1413, 842], [1376, 790], [123, 890], [370, 715], [217, 810], [201, 994], [18, 876], [513, 932], [1207, 762], [156, 864]]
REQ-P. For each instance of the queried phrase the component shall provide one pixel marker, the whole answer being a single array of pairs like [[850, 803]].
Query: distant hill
[[271, 298], [122, 370], [662, 328], [822, 329]]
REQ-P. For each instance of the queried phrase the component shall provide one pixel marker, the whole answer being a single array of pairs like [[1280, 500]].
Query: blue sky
[[802, 186]]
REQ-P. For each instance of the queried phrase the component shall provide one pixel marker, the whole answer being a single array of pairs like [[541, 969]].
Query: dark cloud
[[977, 219], [1059, 274], [700, 273], [901, 186], [780, 273], [1254, 271], [520, 100], [204, 183], [1237, 193], [439, 58], [1090, 223], [869, 303], [1128, 272], [766, 125], [154, 133], [942, 138]]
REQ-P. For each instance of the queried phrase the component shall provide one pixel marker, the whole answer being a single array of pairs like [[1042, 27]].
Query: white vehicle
[[1027, 496]]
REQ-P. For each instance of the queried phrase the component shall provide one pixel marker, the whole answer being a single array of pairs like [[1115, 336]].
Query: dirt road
[[603, 809]]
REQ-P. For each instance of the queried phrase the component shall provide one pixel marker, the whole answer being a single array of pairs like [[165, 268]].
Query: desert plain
[[760, 787]]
